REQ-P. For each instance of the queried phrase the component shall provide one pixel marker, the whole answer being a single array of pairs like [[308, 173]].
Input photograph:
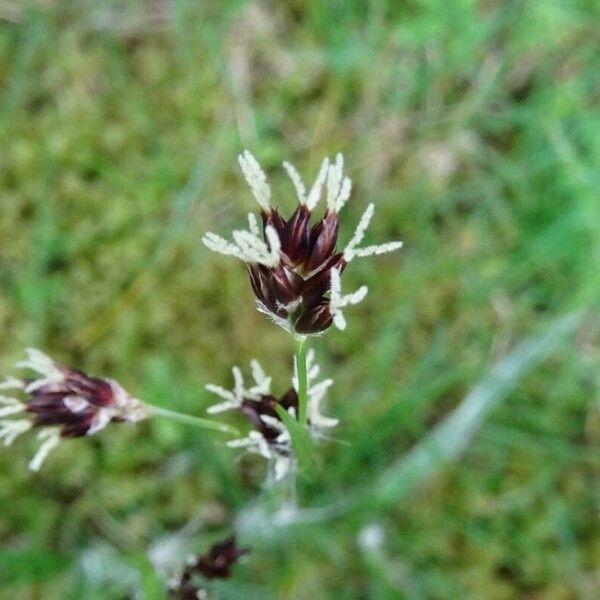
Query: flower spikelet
[[270, 437], [61, 402], [291, 261]]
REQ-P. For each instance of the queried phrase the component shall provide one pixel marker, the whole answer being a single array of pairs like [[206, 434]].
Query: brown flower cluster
[[214, 564], [294, 263], [62, 403]]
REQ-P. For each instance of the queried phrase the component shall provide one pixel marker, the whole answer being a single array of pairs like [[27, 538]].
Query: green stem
[[157, 411], [300, 353]]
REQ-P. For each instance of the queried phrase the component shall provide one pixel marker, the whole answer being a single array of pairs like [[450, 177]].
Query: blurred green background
[[473, 126]]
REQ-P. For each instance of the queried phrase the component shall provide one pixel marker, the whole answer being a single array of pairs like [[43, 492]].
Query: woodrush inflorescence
[[62, 402], [295, 272], [270, 437], [295, 269], [216, 563]]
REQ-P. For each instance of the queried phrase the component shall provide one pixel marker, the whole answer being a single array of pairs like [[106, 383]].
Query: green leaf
[[301, 440], [151, 584]]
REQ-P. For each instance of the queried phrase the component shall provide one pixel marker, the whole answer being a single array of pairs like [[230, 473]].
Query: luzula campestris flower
[[61, 403], [270, 437], [294, 266], [214, 564]]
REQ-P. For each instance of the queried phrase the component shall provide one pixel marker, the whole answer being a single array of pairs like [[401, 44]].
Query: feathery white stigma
[[50, 439], [378, 249], [351, 250], [314, 195], [12, 383], [253, 224], [338, 186], [247, 245], [296, 180], [337, 301], [257, 180], [10, 430], [263, 383], [256, 443], [42, 364], [233, 398], [10, 406]]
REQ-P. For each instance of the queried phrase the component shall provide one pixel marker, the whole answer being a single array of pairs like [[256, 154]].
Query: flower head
[[214, 564], [62, 403], [292, 263], [270, 437]]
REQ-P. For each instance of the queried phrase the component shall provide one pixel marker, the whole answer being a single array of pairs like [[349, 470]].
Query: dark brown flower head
[[63, 403], [296, 290], [214, 564], [293, 263]]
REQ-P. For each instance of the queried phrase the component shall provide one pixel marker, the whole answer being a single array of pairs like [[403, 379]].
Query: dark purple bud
[[77, 403], [315, 320], [217, 562], [259, 280], [295, 239], [320, 283], [285, 284], [295, 290], [63, 403], [265, 406], [323, 239], [214, 564], [275, 220], [95, 390]]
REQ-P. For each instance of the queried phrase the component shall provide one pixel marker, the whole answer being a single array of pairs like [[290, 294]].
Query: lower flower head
[[270, 437], [62, 402], [214, 564]]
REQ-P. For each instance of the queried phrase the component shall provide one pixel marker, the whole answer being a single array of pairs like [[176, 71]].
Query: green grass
[[473, 126]]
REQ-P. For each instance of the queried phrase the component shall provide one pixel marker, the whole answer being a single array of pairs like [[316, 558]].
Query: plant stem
[[300, 353], [157, 411]]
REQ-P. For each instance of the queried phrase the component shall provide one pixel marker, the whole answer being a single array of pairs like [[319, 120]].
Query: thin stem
[[157, 411], [300, 353]]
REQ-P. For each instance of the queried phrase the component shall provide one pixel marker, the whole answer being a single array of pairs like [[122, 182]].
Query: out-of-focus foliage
[[472, 125]]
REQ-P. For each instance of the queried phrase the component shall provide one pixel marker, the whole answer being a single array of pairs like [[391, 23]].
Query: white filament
[[11, 429], [51, 439], [339, 301], [297, 181], [233, 398], [263, 383], [43, 365], [12, 383], [314, 195], [351, 250], [11, 406], [338, 186], [315, 192], [359, 232], [253, 224], [248, 246], [257, 180], [378, 249]]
